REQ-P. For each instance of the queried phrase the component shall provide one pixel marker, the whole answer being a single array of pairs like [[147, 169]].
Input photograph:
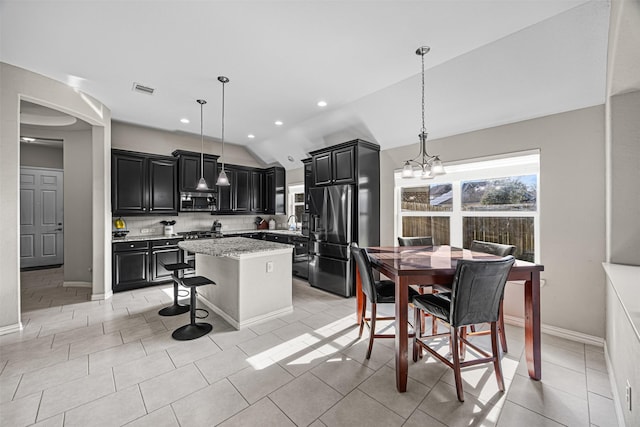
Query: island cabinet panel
[[143, 184], [190, 171]]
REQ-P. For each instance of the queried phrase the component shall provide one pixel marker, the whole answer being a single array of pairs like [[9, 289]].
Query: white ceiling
[[491, 63]]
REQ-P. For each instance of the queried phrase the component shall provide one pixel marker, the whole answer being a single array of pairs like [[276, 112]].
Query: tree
[[504, 192]]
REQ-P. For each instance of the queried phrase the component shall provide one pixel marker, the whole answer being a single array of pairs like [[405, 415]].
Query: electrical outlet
[[628, 395], [269, 266]]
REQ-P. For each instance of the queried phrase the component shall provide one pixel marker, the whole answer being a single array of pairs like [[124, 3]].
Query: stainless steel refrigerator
[[330, 233]]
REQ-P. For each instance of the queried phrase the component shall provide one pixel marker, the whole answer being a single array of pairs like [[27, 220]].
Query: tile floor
[[112, 363]]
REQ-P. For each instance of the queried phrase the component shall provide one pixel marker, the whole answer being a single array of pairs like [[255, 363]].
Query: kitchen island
[[253, 278]]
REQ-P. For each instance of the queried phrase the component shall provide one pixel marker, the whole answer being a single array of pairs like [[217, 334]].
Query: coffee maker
[[216, 228]]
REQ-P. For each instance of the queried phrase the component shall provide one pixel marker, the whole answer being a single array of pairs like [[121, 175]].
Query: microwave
[[198, 202]]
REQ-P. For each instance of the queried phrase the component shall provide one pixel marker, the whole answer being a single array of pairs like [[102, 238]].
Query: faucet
[[295, 222]]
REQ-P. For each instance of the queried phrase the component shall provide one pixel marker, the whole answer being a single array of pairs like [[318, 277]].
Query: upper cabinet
[[190, 171], [334, 166], [245, 193], [143, 184], [275, 191]]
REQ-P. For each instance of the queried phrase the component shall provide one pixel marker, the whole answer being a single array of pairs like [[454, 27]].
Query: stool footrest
[[190, 332]]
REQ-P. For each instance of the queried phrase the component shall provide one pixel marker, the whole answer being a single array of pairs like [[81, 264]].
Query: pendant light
[[427, 166], [202, 183], [223, 181]]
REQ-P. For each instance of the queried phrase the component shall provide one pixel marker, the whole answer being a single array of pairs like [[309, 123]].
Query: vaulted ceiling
[[491, 63]]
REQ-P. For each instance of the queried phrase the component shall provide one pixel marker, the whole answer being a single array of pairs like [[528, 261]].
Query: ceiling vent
[[137, 87]]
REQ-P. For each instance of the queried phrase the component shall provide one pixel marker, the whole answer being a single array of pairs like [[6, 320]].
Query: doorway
[[41, 217]]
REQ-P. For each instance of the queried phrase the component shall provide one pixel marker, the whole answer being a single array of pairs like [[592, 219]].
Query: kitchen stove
[[192, 235]]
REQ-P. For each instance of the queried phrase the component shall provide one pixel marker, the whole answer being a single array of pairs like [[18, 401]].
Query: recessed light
[[322, 103], [185, 121], [278, 123], [251, 136]]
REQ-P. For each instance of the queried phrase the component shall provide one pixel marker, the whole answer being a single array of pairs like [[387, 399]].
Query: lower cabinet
[[139, 264]]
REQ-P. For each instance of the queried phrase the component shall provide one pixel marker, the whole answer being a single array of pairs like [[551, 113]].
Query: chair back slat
[[415, 241], [477, 289], [366, 275], [492, 248]]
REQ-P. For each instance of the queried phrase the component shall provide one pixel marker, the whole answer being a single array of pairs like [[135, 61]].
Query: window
[[492, 200], [296, 202]]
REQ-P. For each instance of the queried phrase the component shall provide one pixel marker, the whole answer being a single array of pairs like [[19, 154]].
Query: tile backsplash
[[191, 221]]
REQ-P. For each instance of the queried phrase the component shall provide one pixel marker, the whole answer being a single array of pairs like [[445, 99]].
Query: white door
[[41, 210]]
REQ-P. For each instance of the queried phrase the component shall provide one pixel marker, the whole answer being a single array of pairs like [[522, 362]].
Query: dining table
[[436, 265]]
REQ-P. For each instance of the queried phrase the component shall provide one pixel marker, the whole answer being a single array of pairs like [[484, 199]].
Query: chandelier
[[424, 165]]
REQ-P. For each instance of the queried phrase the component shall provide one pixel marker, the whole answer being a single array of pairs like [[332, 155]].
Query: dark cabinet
[[130, 265], [275, 190], [163, 252], [253, 191], [190, 172], [236, 197], [143, 184], [257, 191], [163, 194], [128, 184], [139, 264], [242, 189], [334, 167], [308, 181]]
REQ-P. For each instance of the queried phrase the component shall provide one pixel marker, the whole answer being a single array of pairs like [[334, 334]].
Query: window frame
[[516, 164]]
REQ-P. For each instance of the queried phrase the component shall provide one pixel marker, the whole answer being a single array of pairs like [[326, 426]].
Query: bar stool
[[194, 330], [177, 273]]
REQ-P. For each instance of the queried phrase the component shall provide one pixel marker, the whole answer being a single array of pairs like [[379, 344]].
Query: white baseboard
[[73, 284], [617, 403], [559, 332], [98, 297], [17, 327], [238, 325]]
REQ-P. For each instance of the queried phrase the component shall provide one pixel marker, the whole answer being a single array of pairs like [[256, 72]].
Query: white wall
[[127, 136], [17, 84], [572, 207]]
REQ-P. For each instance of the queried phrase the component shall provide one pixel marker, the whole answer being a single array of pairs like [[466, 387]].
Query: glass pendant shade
[[407, 170], [202, 184], [222, 181], [436, 167]]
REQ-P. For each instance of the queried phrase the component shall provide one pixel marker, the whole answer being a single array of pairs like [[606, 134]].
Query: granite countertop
[[139, 238], [285, 232], [231, 246]]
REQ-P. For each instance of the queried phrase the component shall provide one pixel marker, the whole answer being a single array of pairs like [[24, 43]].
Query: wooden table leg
[[532, 325], [359, 297], [402, 333]]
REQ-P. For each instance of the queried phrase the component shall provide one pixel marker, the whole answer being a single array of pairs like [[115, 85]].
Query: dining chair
[[499, 250], [376, 292], [477, 289], [421, 241], [415, 241]]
